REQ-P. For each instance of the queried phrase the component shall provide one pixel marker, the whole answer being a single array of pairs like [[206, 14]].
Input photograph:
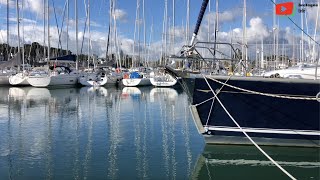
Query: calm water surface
[[125, 133]]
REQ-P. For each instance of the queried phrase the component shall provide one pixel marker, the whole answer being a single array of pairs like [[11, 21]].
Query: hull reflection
[[246, 162]]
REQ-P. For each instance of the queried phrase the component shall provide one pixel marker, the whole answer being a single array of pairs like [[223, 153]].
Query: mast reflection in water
[[129, 133], [72, 133]]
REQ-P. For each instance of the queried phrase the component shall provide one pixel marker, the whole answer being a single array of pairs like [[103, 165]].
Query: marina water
[[124, 133]]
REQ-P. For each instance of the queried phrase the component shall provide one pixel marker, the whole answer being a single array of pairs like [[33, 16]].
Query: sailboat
[[93, 79], [19, 79], [162, 79], [301, 71], [56, 75], [136, 78], [274, 111]]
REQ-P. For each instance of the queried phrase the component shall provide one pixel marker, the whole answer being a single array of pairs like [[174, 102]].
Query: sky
[[259, 23]]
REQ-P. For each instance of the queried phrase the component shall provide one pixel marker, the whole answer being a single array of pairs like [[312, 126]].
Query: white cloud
[[35, 6], [223, 17], [120, 15]]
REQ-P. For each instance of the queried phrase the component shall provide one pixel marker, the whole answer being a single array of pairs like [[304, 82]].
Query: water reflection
[[246, 162], [129, 133]]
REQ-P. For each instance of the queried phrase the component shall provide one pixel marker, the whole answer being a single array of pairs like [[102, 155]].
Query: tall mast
[[68, 27], [76, 17], [165, 28], [44, 28], [144, 33], [274, 31], [116, 47], [244, 40], [209, 21], [262, 54], [18, 26], [315, 33], [216, 27], [89, 34], [135, 30], [8, 50], [108, 40], [22, 7], [302, 48], [48, 27], [139, 33], [173, 21], [150, 40]]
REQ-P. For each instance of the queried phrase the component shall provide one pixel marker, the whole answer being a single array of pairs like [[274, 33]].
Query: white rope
[[254, 143], [296, 97], [210, 112]]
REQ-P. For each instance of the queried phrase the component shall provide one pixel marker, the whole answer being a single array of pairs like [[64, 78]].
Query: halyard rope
[[252, 141]]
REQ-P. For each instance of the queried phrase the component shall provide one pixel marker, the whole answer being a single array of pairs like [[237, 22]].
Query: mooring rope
[[237, 66], [252, 141], [295, 97]]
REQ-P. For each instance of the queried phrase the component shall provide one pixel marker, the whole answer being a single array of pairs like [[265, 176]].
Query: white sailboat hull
[[295, 72], [55, 80], [39, 81], [84, 81], [136, 82], [163, 83], [19, 80]]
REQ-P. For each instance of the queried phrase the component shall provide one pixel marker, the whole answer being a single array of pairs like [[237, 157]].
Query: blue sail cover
[[68, 58], [135, 75]]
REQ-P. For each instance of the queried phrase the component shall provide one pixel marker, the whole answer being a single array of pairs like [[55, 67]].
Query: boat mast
[[144, 33], [18, 26], [216, 28], [116, 44], [8, 50], [165, 30], [244, 39], [48, 26], [44, 28], [315, 33], [89, 34], [108, 40], [22, 7], [262, 52], [209, 21], [135, 31], [274, 31], [302, 43], [173, 22], [68, 27], [150, 39], [76, 17]]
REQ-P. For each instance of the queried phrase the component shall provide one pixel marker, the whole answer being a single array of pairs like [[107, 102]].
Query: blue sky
[[259, 11]]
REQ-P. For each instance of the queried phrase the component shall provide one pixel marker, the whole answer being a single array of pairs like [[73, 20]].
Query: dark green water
[[130, 133]]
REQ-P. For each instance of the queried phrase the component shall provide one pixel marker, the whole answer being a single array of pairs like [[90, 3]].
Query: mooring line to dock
[[252, 141]]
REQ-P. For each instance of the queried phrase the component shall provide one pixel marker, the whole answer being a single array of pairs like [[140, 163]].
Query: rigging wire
[[55, 15]]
